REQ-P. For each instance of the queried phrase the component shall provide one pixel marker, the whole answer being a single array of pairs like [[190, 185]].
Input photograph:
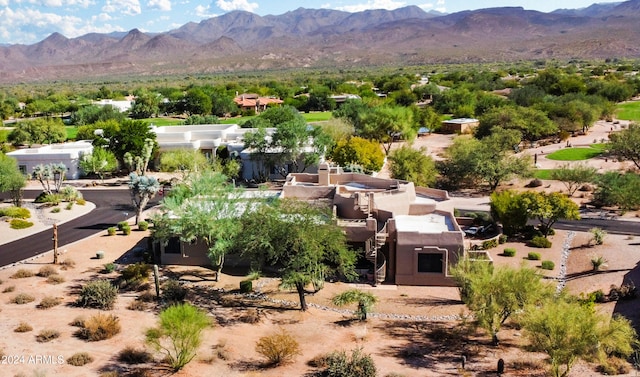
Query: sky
[[30, 21]]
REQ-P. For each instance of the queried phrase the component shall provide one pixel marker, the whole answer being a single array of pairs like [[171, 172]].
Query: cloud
[[55, 3], [128, 7], [204, 11], [163, 5], [236, 5], [373, 4]]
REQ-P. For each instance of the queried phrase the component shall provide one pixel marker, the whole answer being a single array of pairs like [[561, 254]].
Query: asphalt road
[[112, 206]]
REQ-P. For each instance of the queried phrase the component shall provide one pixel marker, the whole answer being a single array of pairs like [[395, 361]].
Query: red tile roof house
[[251, 101]]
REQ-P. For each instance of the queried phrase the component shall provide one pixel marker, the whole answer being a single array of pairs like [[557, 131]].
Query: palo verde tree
[[386, 124], [626, 144], [574, 176], [300, 240], [496, 294], [549, 208], [204, 208], [567, 331], [11, 179], [185, 161], [358, 151], [38, 131], [410, 164]]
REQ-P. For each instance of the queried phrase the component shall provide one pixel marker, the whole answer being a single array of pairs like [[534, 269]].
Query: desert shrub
[[358, 364], [612, 366], [534, 183], [246, 286], [548, 265], [147, 296], [55, 210], [79, 359], [489, 244], [81, 201], [122, 224], [509, 252], [502, 239], [49, 199], [179, 333], [23, 298], [623, 292], [49, 302], [55, 279], [137, 305], [20, 224], [77, 322], [48, 335], [278, 348], [143, 225], [598, 263], [99, 327], [136, 271], [15, 212], [173, 292], [131, 355], [23, 327], [69, 206], [70, 193], [46, 271], [533, 256], [100, 294], [540, 242], [126, 231], [68, 263], [22, 273], [597, 235], [109, 267], [9, 289], [112, 230]]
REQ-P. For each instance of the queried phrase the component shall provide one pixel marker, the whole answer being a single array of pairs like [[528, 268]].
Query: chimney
[[323, 174]]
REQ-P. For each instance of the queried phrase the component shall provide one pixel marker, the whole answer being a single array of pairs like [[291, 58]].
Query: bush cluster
[[489, 244], [533, 256], [623, 292], [99, 294], [134, 276], [15, 212], [99, 327], [358, 364], [20, 224], [540, 242], [143, 225], [278, 348]]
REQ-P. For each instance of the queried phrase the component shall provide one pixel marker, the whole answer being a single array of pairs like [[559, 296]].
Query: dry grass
[[48, 335], [55, 279], [99, 327], [79, 359], [46, 271], [23, 298], [22, 273], [8, 289], [131, 355], [23, 327], [49, 302]]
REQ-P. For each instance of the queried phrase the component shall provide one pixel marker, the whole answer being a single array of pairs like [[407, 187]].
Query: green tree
[[386, 124], [413, 165], [533, 124], [92, 113], [100, 162], [568, 331], [549, 208], [509, 210], [38, 131], [130, 137], [365, 301], [299, 239], [145, 105], [626, 144], [617, 189], [353, 110], [179, 333], [185, 161], [205, 208], [50, 174], [201, 119], [196, 101], [495, 294], [358, 151], [11, 179], [574, 176], [143, 188]]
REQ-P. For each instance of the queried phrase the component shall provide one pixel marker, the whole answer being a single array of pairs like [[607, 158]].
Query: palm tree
[[365, 301]]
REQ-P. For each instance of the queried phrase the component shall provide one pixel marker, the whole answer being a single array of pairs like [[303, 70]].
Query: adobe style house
[[460, 125], [67, 153], [251, 101], [395, 223]]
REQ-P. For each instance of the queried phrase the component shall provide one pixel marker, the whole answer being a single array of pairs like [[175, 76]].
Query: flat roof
[[432, 223]]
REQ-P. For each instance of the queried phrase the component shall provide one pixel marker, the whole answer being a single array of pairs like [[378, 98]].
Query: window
[[431, 262], [23, 169], [173, 246]]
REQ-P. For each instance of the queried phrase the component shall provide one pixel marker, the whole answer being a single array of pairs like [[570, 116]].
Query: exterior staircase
[[373, 246]]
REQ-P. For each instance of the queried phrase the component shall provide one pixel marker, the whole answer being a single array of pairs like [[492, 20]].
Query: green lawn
[[160, 122], [543, 173], [628, 111], [317, 117], [575, 154], [72, 131]]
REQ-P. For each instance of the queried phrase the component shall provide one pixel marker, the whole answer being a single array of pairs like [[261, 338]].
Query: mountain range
[[242, 41]]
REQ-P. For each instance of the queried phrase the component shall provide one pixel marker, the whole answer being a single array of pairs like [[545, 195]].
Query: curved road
[[112, 206]]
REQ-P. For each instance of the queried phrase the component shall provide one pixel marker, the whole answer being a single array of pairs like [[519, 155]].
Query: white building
[[122, 106], [67, 153]]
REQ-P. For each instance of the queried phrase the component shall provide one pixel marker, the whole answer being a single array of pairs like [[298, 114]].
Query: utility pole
[[55, 243]]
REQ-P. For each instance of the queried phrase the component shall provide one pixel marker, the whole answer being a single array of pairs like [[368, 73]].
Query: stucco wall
[[191, 255]]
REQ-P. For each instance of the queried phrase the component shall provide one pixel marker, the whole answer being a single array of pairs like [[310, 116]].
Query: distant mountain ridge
[[243, 41]]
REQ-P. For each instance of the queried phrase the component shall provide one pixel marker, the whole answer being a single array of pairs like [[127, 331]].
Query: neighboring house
[[67, 153], [342, 98], [208, 138], [395, 223], [251, 101], [460, 125], [122, 106]]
